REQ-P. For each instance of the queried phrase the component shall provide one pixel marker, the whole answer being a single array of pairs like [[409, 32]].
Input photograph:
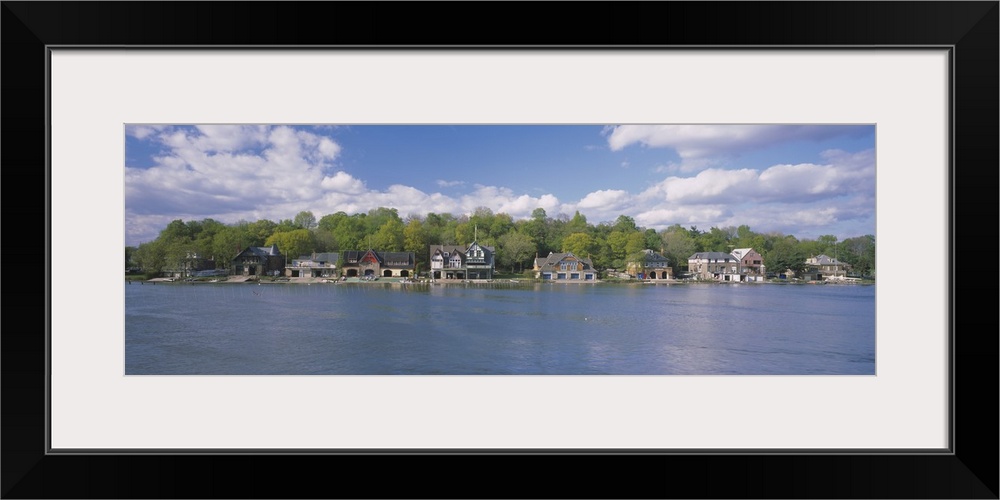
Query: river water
[[559, 329]]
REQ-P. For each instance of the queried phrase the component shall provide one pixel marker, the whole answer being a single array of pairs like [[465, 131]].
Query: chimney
[[274, 249]]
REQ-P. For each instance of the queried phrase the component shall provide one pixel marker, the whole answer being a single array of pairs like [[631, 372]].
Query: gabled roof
[[392, 258], [653, 256], [742, 252], [326, 257], [382, 257], [357, 255], [553, 259], [261, 251], [448, 249], [822, 259], [476, 244], [320, 257], [463, 249], [711, 256]]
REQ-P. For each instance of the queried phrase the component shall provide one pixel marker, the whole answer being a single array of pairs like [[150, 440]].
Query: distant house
[[564, 267], [370, 263], [191, 265], [719, 266], [460, 262], [752, 266], [317, 265], [825, 267], [652, 266], [258, 261]]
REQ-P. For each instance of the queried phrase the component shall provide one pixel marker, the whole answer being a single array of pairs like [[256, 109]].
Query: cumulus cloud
[[605, 198], [501, 199], [846, 174], [701, 141], [709, 186], [251, 172], [218, 168], [230, 173], [794, 199], [342, 182], [660, 218], [143, 131]]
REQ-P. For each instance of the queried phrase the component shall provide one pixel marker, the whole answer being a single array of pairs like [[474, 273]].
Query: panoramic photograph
[[486, 249]]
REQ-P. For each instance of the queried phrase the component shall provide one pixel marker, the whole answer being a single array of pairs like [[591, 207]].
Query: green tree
[[259, 231], [617, 247], [439, 229], [129, 251], [293, 244], [678, 247], [325, 242], [743, 235], [389, 237], [464, 233], [537, 228], [228, 242], [378, 217], [204, 242], [635, 243], [515, 248], [578, 224], [580, 244], [785, 253], [347, 231], [625, 224], [286, 225], [150, 257], [745, 238], [177, 230], [330, 222], [415, 240], [652, 240], [860, 253], [637, 262], [305, 219], [556, 230], [827, 244], [715, 240]]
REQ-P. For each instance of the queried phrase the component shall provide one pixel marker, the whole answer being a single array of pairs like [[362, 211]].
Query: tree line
[[610, 245]]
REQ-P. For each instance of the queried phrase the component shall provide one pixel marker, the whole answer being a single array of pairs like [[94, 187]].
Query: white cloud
[[328, 149], [693, 215], [342, 182], [709, 186], [501, 199], [227, 137], [213, 169], [143, 131], [229, 173], [605, 198], [703, 141]]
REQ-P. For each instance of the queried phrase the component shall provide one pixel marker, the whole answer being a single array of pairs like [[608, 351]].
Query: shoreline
[[494, 282]]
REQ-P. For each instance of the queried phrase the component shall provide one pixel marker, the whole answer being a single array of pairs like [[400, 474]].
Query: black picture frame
[[969, 28]]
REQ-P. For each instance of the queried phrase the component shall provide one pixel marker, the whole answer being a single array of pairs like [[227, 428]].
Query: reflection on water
[[375, 329]]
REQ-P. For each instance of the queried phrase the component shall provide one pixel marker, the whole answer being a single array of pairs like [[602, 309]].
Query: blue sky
[[800, 180]]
